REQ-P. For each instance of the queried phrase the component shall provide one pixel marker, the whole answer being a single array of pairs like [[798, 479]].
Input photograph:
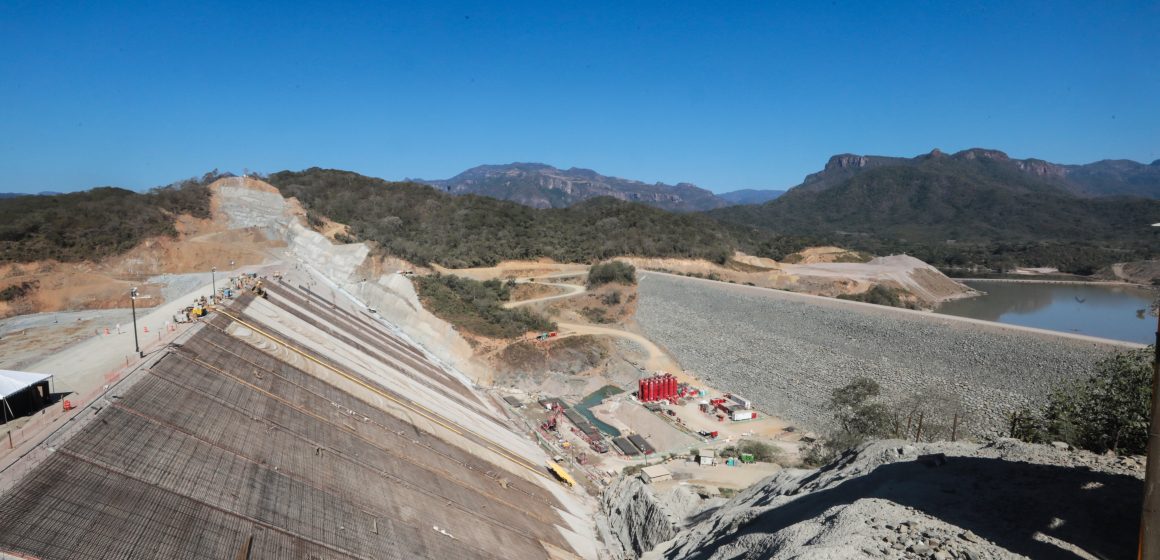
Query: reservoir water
[[594, 399], [1106, 311]]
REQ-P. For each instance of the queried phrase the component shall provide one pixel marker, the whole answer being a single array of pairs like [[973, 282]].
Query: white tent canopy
[[12, 382]]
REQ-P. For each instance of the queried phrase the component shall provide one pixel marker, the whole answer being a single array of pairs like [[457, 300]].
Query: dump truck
[[561, 474]]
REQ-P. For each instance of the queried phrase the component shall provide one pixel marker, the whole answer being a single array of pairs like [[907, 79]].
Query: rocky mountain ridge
[[751, 196], [1119, 177], [543, 186]]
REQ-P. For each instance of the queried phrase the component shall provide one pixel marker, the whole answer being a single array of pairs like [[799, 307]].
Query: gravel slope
[[889, 499], [787, 352]]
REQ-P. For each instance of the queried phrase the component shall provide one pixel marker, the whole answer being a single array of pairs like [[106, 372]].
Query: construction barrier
[[37, 425]]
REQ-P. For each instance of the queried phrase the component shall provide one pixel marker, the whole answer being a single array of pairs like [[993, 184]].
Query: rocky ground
[[892, 499], [788, 352], [1140, 272], [826, 271]]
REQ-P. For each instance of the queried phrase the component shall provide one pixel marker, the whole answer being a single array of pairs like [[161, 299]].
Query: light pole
[[133, 303], [213, 284], [1150, 516]]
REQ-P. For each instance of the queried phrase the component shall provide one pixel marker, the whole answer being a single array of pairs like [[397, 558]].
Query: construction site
[[274, 430], [305, 404]]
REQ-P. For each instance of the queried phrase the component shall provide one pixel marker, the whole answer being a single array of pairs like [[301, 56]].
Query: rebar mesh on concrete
[[221, 443]]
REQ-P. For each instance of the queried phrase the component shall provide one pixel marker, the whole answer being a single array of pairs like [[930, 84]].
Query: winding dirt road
[[658, 359]]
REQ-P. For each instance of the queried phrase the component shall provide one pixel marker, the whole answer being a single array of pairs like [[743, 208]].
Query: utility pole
[[1150, 515], [133, 303]]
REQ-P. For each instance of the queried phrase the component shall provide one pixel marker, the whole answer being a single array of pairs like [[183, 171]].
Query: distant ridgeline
[[97, 223], [543, 186], [976, 207], [424, 225]]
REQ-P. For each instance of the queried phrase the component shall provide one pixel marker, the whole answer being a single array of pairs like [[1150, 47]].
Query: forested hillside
[[960, 211], [97, 223], [424, 225]]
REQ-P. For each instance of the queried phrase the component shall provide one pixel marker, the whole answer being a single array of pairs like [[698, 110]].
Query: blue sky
[[755, 95]]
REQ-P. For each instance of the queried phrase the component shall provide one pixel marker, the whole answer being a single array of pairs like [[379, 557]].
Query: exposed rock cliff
[[890, 499], [641, 517]]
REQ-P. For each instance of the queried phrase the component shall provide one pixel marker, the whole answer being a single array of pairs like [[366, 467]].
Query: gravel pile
[[942, 501], [787, 352]]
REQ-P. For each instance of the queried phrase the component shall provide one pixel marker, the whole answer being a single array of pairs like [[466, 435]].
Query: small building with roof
[[23, 393], [655, 473]]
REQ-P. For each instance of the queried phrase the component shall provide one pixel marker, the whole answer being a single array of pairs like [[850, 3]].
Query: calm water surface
[[1092, 309], [594, 399]]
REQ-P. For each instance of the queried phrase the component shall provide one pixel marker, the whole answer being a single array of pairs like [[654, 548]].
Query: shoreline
[[931, 316], [1066, 282]]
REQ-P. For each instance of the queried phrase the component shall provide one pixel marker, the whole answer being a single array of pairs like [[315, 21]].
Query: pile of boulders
[[787, 354]]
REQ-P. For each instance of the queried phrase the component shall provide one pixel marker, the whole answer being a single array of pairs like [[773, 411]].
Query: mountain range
[[543, 186], [1110, 177], [970, 207], [16, 194], [751, 196]]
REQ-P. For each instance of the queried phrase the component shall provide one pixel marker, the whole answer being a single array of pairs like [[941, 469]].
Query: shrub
[[477, 307], [763, 452], [1108, 412], [615, 271], [881, 295], [17, 291], [596, 315], [858, 417]]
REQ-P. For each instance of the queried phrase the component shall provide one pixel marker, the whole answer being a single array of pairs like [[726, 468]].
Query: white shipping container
[[744, 415]]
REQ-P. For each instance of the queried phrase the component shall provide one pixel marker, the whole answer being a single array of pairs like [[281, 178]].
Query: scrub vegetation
[[477, 307], [98, 223], [423, 225], [1108, 412]]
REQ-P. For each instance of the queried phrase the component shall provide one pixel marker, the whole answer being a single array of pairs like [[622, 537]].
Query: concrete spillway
[[281, 429]]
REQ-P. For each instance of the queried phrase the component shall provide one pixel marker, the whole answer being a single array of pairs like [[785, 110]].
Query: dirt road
[[657, 359], [570, 290]]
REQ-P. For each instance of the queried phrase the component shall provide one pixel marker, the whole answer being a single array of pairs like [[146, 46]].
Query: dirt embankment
[[824, 271], [199, 246], [1138, 272], [528, 292]]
